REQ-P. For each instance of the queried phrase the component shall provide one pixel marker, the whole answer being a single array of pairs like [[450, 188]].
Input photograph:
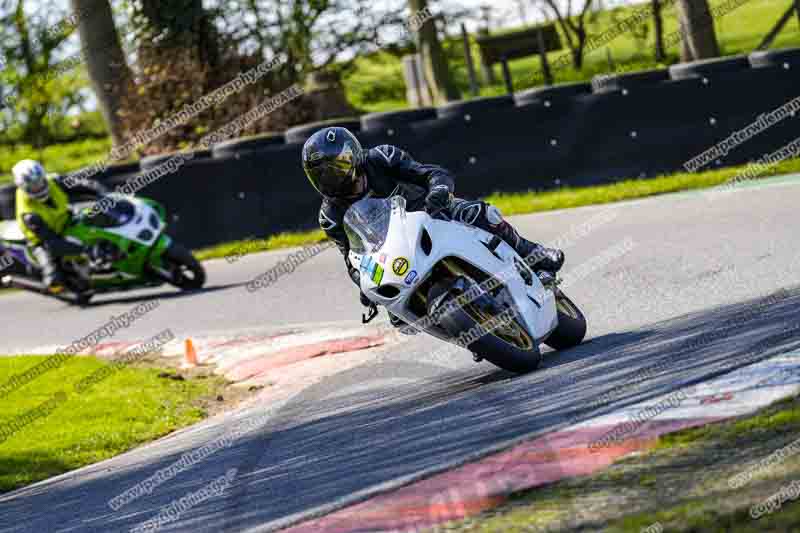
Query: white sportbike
[[458, 283]]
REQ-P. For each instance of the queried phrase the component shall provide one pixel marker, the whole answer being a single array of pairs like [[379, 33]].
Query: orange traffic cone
[[191, 355]]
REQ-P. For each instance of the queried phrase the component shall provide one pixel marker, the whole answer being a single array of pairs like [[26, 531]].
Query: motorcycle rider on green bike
[[43, 214]]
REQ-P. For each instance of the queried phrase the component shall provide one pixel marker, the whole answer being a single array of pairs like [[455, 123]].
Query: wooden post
[[473, 79], [546, 72], [417, 92], [507, 76], [486, 67]]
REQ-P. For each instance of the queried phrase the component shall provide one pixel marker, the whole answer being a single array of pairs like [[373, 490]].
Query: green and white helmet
[[30, 177]]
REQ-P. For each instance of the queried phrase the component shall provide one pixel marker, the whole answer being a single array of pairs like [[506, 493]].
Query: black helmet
[[332, 160]]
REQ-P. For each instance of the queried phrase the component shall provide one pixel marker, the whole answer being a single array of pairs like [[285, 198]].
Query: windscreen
[[113, 216], [366, 224]]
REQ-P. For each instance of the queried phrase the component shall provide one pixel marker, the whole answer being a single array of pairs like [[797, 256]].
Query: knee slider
[[493, 215], [469, 213]]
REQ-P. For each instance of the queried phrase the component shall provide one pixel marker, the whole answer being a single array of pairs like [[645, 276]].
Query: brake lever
[[373, 312]]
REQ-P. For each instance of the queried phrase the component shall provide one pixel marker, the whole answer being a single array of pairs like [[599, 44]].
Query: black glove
[[438, 199]]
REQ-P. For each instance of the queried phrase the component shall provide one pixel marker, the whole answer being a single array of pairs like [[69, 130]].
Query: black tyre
[[709, 68], [509, 347], [476, 107], [394, 120], [300, 134], [186, 272], [155, 161], [83, 299], [630, 80], [247, 145], [571, 325], [553, 94], [785, 58]]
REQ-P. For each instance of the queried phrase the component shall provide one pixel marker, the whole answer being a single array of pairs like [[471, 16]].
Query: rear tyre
[[509, 347], [83, 299], [571, 325], [187, 273]]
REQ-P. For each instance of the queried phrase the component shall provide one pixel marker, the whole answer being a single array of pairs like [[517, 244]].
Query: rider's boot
[[536, 256], [489, 218], [51, 275]]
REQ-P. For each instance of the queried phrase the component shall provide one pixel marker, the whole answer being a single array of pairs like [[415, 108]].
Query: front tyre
[[181, 268], [509, 346], [571, 327]]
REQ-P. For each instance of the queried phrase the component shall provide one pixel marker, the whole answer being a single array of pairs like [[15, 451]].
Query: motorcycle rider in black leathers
[[343, 172]]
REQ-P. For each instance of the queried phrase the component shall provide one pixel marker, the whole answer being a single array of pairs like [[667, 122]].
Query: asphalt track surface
[[693, 296]]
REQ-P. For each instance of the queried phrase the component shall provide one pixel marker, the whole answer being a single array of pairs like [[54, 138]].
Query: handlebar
[[439, 214]]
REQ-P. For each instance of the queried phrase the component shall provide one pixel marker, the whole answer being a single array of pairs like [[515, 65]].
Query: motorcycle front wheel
[[503, 342], [183, 270]]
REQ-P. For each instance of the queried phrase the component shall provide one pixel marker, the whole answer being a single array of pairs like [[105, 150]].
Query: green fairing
[[129, 271]]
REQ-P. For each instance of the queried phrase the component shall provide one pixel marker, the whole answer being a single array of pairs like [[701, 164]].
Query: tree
[[699, 40], [106, 63], [312, 36], [658, 24], [37, 87], [181, 24], [434, 61], [573, 26]]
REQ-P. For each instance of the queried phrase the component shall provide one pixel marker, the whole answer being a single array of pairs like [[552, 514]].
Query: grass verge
[[240, 248], [532, 202], [47, 433], [682, 485], [527, 202]]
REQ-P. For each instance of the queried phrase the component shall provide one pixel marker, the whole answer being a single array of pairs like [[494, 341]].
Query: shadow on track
[[361, 429], [162, 295]]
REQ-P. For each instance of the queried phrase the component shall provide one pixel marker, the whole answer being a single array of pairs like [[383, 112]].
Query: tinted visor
[[37, 189], [337, 176]]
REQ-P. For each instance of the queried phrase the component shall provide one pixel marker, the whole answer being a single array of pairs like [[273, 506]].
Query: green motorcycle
[[127, 249]]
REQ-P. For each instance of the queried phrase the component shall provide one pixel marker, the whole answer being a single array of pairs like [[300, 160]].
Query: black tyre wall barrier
[[540, 139], [785, 58], [552, 95], [396, 119], [155, 161], [237, 147], [7, 201], [709, 68], [629, 81], [300, 134], [469, 109]]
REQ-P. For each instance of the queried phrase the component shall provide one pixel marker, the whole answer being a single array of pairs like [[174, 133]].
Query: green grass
[[531, 202], [376, 84], [58, 158], [245, 247], [131, 407]]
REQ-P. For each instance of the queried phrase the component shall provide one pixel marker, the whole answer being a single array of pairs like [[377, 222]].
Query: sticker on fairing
[[382, 259], [366, 263], [400, 266], [412, 276], [377, 274]]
